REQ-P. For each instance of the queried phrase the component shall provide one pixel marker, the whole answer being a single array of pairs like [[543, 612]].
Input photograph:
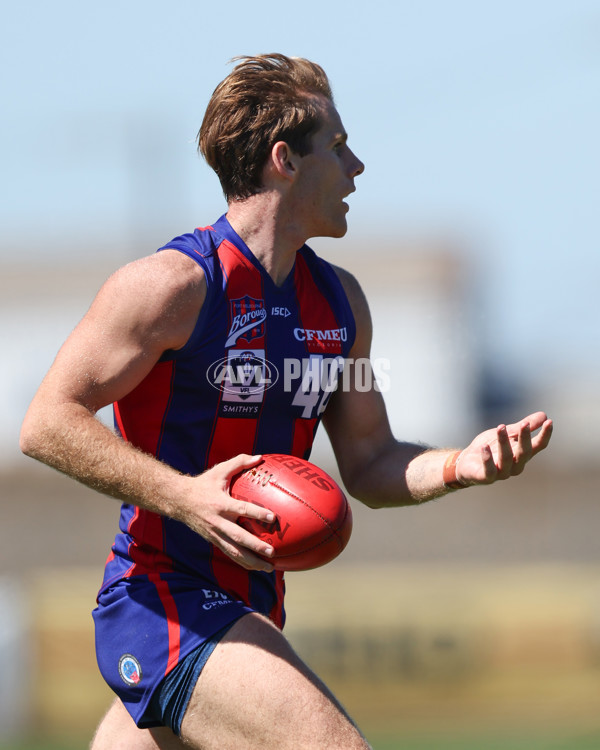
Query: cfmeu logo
[[244, 374], [248, 317]]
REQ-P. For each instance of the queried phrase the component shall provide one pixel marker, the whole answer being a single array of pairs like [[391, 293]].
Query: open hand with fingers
[[503, 452]]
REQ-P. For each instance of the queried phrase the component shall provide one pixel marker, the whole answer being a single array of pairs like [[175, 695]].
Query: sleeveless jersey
[[254, 377]]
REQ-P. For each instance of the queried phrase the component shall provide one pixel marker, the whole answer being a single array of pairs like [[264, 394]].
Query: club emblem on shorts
[[130, 669], [248, 317]]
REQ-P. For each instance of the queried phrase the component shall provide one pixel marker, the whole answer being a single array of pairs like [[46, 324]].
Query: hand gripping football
[[313, 520]]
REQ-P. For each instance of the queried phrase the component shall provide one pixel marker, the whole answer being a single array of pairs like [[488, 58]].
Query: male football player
[[190, 612]]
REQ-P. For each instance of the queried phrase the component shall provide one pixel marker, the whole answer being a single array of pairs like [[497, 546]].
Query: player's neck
[[270, 234]]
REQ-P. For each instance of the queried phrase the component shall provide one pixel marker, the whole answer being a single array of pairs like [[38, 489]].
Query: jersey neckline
[[224, 228]]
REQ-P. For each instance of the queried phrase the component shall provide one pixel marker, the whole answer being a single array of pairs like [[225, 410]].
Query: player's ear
[[284, 160]]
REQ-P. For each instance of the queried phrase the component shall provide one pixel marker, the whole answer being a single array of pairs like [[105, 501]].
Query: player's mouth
[[349, 192], [352, 190]]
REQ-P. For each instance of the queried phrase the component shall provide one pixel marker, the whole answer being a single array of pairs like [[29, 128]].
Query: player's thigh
[[256, 693], [117, 731]]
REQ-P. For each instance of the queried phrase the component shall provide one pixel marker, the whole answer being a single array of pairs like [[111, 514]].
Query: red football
[[313, 520]]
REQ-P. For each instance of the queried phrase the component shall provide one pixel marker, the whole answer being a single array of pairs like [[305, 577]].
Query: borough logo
[[248, 317]]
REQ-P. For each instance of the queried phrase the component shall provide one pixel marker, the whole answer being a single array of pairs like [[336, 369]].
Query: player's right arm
[[144, 309]]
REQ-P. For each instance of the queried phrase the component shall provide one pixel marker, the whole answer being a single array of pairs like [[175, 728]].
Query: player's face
[[326, 176]]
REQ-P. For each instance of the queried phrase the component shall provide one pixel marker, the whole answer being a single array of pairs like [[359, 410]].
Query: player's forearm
[[70, 439], [402, 474]]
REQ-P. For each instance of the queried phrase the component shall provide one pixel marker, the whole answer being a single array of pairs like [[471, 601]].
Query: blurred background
[[472, 622]]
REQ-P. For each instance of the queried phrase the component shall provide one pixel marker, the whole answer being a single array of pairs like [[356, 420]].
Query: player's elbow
[[362, 491], [370, 500], [373, 503], [375, 488], [31, 437], [28, 438]]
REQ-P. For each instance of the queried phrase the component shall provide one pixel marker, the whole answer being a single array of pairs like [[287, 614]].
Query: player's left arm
[[382, 471]]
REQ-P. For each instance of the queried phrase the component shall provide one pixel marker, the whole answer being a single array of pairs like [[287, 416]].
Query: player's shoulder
[[347, 280], [351, 286], [359, 306], [158, 296], [162, 275]]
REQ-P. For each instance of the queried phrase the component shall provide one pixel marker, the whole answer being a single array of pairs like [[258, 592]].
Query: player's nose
[[356, 165]]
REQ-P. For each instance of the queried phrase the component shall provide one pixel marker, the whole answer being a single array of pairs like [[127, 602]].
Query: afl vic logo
[[248, 317], [243, 375]]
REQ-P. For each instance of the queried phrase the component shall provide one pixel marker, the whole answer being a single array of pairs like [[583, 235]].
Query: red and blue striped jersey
[[254, 377]]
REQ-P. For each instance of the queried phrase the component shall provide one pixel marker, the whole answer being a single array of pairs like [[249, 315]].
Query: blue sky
[[476, 118]]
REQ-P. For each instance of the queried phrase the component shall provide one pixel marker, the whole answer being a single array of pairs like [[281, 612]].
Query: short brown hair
[[265, 99]]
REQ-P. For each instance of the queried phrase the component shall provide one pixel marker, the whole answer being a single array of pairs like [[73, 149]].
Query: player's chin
[[335, 227], [340, 227]]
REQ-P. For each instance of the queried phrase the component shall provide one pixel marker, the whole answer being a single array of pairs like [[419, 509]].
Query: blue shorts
[[151, 626]]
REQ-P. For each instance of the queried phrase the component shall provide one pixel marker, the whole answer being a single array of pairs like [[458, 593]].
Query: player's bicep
[[356, 418], [95, 367], [142, 310]]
